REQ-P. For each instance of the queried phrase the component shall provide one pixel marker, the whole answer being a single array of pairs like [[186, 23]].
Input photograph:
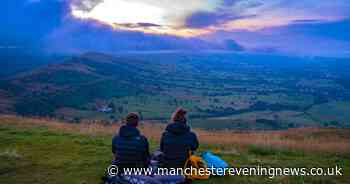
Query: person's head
[[132, 119], [179, 115]]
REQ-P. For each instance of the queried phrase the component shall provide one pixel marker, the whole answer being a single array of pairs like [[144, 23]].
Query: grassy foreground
[[41, 151]]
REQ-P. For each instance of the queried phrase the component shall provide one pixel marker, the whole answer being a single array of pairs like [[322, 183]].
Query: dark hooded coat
[[130, 148], [176, 143]]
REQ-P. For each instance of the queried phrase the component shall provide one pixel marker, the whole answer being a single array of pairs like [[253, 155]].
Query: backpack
[[198, 163], [215, 162]]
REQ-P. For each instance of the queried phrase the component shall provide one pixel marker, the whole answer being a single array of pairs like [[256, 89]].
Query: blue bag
[[215, 162]]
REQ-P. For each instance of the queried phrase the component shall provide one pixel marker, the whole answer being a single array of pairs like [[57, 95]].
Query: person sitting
[[130, 148], [177, 141]]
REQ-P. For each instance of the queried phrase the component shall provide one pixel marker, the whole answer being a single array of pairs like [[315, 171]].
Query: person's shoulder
[[193, 134], [165, 133], [115, 138], [115, 135], [143, 138]]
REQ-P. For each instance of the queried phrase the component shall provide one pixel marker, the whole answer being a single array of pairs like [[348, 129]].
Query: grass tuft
[[10, 154]]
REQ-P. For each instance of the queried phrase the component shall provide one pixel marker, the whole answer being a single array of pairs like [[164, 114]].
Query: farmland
[[220, 90]]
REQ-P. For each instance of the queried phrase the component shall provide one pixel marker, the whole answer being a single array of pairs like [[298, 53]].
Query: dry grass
[[302, 139]]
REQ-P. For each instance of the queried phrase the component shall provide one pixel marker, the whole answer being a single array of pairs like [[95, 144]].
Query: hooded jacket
[[131, 149], [176, 142]]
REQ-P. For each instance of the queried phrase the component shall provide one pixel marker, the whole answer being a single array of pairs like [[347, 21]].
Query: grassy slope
[[39, 154]]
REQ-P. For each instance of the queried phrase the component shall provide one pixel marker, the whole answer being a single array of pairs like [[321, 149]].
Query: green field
[[37, 154], [233, 91], [334, 112]]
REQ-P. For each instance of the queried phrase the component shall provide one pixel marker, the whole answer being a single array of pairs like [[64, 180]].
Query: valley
[[222, 90]]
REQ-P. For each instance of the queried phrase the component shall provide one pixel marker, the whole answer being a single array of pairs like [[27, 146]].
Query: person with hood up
[[177, 141], [130, 148]]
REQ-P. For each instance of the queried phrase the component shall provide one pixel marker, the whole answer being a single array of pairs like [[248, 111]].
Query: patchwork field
[[220, 90]]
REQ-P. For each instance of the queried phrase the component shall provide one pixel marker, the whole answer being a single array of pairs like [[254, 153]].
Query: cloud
[[163, 12], [184, 17], [303, 21], [206, 19], [301, 38], [24, 23], [138, 25], [243, 4], [335, 30], [85, 5], [77, 36], [49, 24], [226, 11], [272, 13], [230, 2]]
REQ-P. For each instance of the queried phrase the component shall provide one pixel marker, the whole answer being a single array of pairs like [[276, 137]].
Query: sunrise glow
[[122, 12], [190, 18]]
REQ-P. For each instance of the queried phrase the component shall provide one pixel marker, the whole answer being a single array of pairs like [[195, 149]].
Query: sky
[[304, 27]]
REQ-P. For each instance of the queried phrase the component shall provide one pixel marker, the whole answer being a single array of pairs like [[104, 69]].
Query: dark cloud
[[77, 36], [308, 38], [229, 10], [204, 19], [48, 26], [230, 2], [139, 25], [24, 23], [148, 25], [86, 5], [242, 3], [335, 30], [303, 21]]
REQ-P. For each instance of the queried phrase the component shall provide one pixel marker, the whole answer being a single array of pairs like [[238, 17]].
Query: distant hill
[[221, 90], [13, 61], [233, 45], [75, 82]]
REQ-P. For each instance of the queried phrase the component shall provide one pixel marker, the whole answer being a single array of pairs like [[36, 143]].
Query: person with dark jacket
[[130, 148], [177, 141]]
